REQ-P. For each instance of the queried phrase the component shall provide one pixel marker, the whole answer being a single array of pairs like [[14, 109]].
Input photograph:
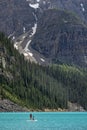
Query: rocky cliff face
[[61, 37], [15, 17], [79, 7]]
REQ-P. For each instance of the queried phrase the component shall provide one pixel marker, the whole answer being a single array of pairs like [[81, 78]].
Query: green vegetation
[[74, 80], [39, 87], [28, 81], [6, 94]]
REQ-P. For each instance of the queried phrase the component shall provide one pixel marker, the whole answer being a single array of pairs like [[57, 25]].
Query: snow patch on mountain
[[26, 47], [13, 38], [26, 51], [24, 29], [44, 2], [34, 29], [82, 6], [28, 43], [26, 54], [17, 44], [42, 60], [35, 6], [38, 0]]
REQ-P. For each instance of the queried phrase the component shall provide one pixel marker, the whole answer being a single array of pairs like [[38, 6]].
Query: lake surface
[[44, 121]]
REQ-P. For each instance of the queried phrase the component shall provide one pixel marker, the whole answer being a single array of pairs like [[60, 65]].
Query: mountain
[[47, 31], [36, 87], [15, 17], [61, 37], [52, 33], [79, 7]]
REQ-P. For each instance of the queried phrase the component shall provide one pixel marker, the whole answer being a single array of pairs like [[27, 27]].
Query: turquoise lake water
[[44, 121]]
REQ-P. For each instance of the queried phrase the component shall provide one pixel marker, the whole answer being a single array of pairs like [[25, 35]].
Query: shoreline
[[8, 106]]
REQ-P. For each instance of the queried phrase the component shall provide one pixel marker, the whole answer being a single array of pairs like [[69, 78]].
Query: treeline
[[37, 86]]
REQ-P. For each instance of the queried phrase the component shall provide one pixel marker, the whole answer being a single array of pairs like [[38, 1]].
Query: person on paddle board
[[31, 118]]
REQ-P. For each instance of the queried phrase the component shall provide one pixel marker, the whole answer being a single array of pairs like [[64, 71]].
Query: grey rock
[[14, 15], [8, 106], [61, 37]]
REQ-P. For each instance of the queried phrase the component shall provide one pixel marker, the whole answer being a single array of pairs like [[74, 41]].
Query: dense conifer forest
[[39, 87]]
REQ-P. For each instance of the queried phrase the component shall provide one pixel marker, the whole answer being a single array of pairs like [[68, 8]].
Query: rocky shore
[[8, 106]]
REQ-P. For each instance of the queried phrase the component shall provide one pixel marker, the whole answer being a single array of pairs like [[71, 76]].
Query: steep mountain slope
[[27, 83], [16, 17], [61, 37], [38, 87], [20, 20], [79, 7]]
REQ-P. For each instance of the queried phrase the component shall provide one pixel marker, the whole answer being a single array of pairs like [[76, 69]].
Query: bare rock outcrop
[[62, 38], [8, 106], [15, 17]]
